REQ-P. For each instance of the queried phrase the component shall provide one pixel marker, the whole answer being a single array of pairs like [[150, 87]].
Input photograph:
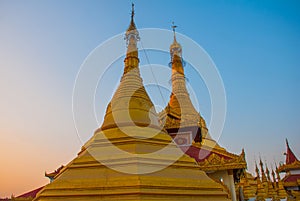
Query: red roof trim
[[31, 194], [201, 154], [292, 178]]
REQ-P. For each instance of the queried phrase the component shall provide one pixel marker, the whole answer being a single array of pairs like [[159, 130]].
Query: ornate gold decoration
[[248, 189], [215, 163], [287, 167], [280, 188], [253, 186]]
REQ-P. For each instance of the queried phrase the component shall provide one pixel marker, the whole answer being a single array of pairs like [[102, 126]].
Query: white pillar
[[231, 185]]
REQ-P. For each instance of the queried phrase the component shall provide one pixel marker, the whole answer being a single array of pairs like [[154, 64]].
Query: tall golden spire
[[277, 173], [263, 175], [260, 191], [130, 104], [180, 112], [274, 180], [271, 191], [273, 175], [268, 173], [257, 170]]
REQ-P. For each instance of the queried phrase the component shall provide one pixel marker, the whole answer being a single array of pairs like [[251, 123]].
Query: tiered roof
[[292, 168], [291, 161]]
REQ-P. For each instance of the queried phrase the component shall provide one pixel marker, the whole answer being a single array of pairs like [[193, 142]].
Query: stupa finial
[[174, 30], [175, 48], [132, 11], [131, 32]]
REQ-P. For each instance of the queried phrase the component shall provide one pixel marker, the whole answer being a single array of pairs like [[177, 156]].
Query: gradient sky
[[254, 44]]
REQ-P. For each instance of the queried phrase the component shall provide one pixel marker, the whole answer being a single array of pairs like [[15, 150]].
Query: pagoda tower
[[180, 116], [263, 177], [274, 180], [247, 188], [271, 190], [188, 129], [117, 163], [275, 187], [281, 193], [260, 190]]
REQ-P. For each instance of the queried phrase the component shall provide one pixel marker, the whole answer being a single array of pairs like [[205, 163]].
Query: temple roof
[[216, 159], [291, 161], [291, 180], [293, 166], [290, 156], [30, 194]]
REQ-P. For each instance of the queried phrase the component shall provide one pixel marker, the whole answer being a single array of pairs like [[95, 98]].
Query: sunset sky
[[254, 44]]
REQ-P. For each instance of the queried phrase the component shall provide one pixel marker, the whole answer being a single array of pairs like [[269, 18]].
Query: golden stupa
[[131, 157], [188, 129]]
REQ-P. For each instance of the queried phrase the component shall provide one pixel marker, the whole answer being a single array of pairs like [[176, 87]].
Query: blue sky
[[254, 44]]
